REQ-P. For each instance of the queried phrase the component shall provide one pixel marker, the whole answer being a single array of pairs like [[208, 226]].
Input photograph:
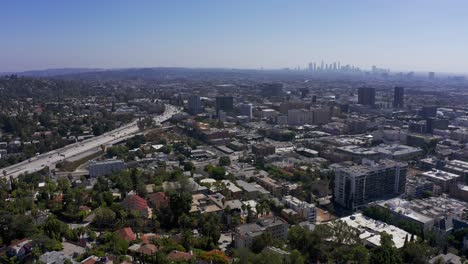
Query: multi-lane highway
[[50, 159]]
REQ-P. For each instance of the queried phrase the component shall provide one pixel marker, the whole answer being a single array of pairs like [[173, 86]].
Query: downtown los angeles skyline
[[399, 35]]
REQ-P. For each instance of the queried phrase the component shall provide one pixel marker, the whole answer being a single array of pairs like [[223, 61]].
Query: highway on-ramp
[[51, 158]]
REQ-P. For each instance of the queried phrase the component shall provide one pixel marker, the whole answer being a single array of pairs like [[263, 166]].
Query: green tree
[[262, 241], [210, 229], [180, 203], [224, 161], [104, 217], [216, 172], [54, 228], [113, 243], [189, 166], [386, 253], [296, 257], [415, 252]]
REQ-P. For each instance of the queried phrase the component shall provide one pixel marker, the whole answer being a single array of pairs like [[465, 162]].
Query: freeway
[[51, 158]]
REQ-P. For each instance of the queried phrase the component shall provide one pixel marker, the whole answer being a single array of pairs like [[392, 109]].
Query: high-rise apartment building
[[398, 97], [246, 110], [366, 96], [316, 116], [358, 184], [428, 111], [195, 105], [224, 103]]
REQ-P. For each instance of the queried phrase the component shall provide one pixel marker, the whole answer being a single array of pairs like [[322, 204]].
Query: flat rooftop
[[367, 167], [440, 175], [371, 229]]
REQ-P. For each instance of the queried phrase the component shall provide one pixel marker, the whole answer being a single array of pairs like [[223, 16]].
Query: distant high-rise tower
[[310, 66], [194, 104], [304, 92], [366, 96], [428, 111], [246, 110], [224, 103], [398, 97], [431, 75], [272, 89]]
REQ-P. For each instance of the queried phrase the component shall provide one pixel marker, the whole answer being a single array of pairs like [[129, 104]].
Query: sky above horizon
[[403, 35]]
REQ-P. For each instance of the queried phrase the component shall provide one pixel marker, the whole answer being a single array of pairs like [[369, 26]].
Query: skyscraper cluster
[[332, 67]]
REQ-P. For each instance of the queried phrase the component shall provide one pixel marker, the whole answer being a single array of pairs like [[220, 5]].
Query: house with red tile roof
[[90, 260], [176, 255], [58, 198], [158, 200], [146, 238], [148, 249], [135, 203], [127, 234]]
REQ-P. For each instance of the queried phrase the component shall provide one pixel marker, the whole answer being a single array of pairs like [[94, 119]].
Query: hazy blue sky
[[398, 34]]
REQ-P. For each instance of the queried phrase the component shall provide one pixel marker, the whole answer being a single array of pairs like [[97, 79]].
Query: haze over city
[[421, 35]]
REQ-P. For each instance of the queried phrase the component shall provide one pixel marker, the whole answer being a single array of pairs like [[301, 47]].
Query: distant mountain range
[[158, 73], [173, 73], [55, 72]]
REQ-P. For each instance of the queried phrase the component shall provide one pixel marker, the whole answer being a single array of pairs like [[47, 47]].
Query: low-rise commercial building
[[271, 185], [436, 213], [305, 210], [245, 234], [263, 150], [442, 178], [101, 168], [417, 187], [370, 230]]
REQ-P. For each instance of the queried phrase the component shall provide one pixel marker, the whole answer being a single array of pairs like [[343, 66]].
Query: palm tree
[[259, 208], [266, 207]]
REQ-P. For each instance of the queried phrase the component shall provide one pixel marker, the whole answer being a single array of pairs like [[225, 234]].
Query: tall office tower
[[310, 66], [366, 96], [358, 184], [224, 103], [321, 66], [339, 65], [299, 117], [315, 66], [431, 75], [334, 66], [321, 116], [304, 92], [195, 105], [398, 97], [272, 89], [246, 110], [436, 123], [428, 111]]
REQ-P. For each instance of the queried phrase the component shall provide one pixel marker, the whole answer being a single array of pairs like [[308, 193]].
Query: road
[[50, 159]]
